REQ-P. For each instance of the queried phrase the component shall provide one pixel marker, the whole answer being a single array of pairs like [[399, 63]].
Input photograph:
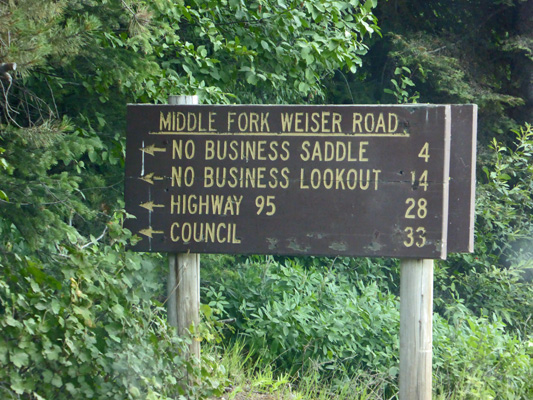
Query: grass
[[251, 379]]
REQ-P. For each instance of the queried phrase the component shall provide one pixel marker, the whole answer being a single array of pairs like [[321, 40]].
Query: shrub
[[474, 358], [311, 318], [494, 280], [83, 324], [319, 321]]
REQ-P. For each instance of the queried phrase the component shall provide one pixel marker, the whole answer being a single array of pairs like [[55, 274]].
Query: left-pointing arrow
[[149, 205], [152, 149], [150, 232], [150, 178]]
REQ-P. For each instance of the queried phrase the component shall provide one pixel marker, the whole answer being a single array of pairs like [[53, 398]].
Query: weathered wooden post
[[183, 303], [416, 338]]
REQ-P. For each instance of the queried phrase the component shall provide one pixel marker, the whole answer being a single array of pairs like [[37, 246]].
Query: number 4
[[424, 152]]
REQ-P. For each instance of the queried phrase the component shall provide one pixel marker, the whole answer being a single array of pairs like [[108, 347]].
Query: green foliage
[[82, 323], [505, 205], [45, 198], [486, 291], [327, 327], [476, 359], [77, 311], [283, 49], [312, 319], [496, 279], [401, 85], [79, 315], [31, 34], [251, 376], [457, 51], [221, 50]]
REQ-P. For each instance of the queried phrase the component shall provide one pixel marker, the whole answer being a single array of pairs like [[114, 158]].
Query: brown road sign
[[292, 180]]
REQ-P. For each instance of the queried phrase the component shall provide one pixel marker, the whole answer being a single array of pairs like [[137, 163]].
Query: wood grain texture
[[183, 289], [416, 337]]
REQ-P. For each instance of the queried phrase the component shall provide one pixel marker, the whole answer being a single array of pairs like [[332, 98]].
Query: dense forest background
[[83, 317]]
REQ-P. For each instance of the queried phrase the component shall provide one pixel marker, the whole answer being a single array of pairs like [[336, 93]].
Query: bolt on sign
[[292, 180]]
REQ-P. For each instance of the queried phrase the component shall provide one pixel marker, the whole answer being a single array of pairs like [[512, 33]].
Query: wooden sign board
[[462, 179], [291, 180]]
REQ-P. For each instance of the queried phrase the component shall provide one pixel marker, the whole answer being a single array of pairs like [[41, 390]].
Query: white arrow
[[150, 178], [149, 205], [150, 232], [152, 149]]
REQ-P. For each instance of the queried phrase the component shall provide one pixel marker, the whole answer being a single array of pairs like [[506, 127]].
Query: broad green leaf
[[118, 310], [19, 358]]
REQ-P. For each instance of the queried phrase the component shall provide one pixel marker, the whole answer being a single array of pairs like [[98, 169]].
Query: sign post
[[416, 339], [183, 302]]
